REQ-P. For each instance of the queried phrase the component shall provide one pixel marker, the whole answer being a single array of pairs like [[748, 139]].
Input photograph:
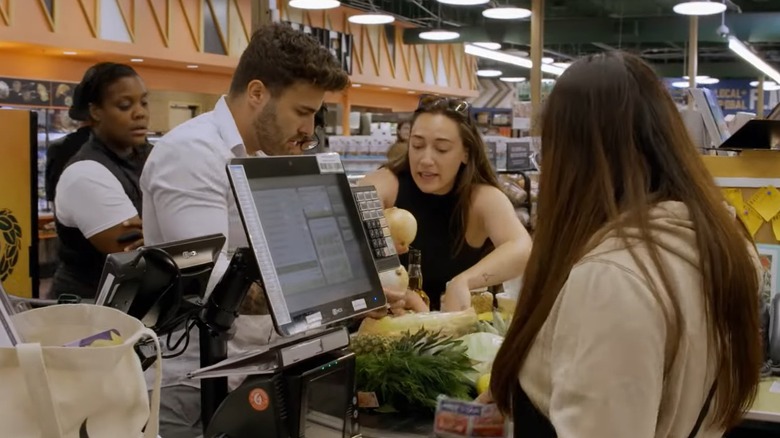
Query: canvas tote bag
[[50, 391]]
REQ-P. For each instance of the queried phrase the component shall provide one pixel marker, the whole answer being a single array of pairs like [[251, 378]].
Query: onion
[[395, 280], [403, 228]]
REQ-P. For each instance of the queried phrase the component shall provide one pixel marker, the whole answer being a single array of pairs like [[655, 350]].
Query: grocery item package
[[460, 418]]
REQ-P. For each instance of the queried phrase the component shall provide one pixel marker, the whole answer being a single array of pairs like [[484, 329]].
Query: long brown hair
[[613, 144], [477, 169]]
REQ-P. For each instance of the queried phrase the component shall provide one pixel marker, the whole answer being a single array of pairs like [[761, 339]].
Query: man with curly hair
[[277, 88]]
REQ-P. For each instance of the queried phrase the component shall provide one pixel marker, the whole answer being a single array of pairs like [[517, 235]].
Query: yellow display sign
[[766, 201], [16, 224]]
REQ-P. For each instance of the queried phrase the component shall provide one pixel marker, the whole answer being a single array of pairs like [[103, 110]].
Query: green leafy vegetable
[[414, 369]]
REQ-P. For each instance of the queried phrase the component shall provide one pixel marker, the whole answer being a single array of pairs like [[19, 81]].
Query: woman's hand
[[457, 297], [399, 302]]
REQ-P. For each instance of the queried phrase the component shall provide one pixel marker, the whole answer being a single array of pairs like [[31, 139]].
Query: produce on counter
[[482, 301], [403, 227], [448, 323], [410, 371]]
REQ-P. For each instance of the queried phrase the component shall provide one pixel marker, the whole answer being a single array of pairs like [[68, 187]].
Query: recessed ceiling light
[[489, 73], [698, 78], [439, 35], [489, 46], [464, 2], [192, 66], [562, 64], [411, 92], [371, 19], [508, 79], [314, 4], [357, 85], [766, 83], [547, 60], [699, 8], [507, 13], [707, 81], [136, 60], [384, 88], [69, 53], [681, 84]]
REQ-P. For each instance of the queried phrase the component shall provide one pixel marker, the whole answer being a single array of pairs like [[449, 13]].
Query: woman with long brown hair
[[468, 233], [639, 310]]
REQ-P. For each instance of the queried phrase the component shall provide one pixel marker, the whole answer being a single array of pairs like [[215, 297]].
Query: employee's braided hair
[[10, 244], [92, 88]]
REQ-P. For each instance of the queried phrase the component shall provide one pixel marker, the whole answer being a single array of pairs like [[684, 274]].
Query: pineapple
[[365, 344]]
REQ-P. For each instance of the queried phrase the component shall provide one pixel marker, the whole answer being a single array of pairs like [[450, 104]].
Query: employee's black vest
[[80, 263]]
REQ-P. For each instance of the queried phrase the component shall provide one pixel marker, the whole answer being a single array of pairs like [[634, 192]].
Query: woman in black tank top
[[467, 231]]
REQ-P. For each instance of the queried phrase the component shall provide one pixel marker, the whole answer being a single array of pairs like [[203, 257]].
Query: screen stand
[[215, 325]]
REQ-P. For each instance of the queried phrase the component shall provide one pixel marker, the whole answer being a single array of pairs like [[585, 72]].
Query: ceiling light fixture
[[563, 65], [489, 73], [510, 59], [371, 18], [489, 46], [768, 85], [439, 35], [681, 84], [547, 60], [192, 66], [705, 7], [506, 13], [136, 60], [707, 81], [357, 85], [464, 2], [69, 53], [314, 4], [745, 53], [511, 79]]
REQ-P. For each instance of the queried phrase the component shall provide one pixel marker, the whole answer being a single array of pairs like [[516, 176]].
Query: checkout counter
[[317, 248]]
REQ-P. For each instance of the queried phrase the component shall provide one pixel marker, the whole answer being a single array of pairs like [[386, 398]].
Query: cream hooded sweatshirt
[[596, 368]]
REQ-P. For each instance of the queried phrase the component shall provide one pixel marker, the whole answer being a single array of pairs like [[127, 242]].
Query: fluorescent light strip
[[743, 51], [510, 59]]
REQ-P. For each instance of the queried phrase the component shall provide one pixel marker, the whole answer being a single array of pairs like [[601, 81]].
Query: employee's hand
[[457, 297], [415, 302], [134, 224]]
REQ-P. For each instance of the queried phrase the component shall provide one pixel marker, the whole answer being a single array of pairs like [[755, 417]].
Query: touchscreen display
[[315, 250]]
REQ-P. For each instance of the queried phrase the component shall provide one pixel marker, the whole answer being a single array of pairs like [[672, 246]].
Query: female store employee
[[639, 311], [446, 182], [98, 199]]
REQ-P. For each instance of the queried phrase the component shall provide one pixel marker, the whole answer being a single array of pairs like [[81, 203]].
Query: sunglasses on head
[[429, 103]]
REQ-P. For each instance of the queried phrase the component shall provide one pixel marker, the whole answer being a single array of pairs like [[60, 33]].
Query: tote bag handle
[[37, 380]]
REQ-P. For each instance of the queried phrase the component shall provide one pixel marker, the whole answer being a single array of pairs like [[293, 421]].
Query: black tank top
[[437, 234]]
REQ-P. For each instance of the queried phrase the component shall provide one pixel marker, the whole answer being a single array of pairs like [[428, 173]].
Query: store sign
[[339, 44], [518, 156], [734, 95]]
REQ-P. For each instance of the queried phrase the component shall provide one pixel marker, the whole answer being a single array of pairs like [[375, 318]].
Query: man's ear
[[257, 93]]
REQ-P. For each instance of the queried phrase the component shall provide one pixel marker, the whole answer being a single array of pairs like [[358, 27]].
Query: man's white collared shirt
[[186, 192]]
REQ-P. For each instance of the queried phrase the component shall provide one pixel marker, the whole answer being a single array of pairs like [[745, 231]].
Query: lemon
[[483, 383]]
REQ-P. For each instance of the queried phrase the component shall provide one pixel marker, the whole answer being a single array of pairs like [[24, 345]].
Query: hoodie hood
[[671, 228]]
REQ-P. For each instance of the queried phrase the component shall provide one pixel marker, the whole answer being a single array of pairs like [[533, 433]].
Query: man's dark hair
[[280, 56]]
